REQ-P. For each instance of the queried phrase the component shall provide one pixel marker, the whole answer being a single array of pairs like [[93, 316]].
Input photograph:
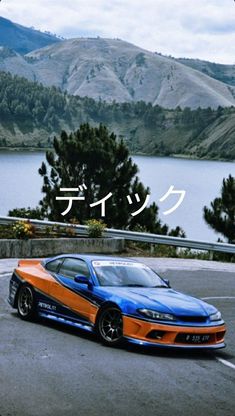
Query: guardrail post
[[211, 255], [151, 248]]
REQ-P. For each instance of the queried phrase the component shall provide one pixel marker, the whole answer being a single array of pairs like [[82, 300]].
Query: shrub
[[33, 213], [95, 228], [23, 230]]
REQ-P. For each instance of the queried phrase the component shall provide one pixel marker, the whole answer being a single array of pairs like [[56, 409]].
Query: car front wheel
[[110, 326], [26, 303]]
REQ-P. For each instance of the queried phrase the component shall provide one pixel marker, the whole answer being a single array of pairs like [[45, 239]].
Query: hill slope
[[221, 72], [23, 39], [114, 70], [30, 115]]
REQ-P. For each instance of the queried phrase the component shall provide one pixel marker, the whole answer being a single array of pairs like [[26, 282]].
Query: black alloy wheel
[[26, 302], [110, 326]]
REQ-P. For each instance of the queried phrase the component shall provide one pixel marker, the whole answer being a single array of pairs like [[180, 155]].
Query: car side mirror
[[81, 279], [167, 281]]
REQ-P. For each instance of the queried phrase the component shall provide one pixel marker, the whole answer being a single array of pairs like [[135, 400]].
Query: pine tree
[[221, 215], [92, 156]]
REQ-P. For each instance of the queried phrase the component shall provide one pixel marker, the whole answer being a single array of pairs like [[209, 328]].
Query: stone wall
[[47, 247]]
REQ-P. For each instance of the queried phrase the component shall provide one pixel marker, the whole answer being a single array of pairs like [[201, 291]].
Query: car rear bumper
[[154, 334]]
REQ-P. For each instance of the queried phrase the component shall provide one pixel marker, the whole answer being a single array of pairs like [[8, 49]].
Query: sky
[[203, 29]]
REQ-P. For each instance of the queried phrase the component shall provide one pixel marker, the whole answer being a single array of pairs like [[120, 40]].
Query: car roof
[[91, 257]]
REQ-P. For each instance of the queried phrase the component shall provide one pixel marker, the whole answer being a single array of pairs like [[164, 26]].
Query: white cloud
[[202, 29]]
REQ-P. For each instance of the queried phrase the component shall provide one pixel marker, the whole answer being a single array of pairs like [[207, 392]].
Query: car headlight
[[157, 315], [216, 316]]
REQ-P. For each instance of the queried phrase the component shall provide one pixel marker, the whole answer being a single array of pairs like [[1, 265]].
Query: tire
[[26, 303], [110, 326]]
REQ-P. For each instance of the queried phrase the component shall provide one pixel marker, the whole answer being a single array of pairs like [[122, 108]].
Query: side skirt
[[66, 321], [49, 308]]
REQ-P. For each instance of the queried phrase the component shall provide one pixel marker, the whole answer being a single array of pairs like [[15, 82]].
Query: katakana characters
[[70, 199], [102, 203], [179, 202], [138, 200]]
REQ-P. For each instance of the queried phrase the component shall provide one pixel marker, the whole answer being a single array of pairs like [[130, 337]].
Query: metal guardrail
[[132, 235]]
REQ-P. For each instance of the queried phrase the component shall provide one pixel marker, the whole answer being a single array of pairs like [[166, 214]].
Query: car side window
[[72, 267], [54, 265]]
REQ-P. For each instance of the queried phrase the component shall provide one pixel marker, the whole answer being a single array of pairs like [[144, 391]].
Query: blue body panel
[[129, 299]]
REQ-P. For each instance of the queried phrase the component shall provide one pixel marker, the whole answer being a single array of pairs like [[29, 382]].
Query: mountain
[[30, 115], [221, 72], [114, 70], [23, 39]]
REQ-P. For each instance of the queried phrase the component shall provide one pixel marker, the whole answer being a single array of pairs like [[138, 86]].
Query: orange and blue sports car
[[120, 299]]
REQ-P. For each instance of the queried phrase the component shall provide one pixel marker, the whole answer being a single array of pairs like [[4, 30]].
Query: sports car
[[119, 299]]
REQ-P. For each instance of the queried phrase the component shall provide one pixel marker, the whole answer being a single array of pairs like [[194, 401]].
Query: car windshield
[[130, 274]]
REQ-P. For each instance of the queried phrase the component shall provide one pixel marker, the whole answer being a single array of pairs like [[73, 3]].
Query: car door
[[76, 296]]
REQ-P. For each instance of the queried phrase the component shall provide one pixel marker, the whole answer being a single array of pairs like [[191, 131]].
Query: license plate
[[197, 339]]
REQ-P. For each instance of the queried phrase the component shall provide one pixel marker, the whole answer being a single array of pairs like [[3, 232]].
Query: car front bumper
[[147, 333]]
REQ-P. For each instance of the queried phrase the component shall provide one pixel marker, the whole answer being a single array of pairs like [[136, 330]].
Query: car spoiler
[[28, 262]]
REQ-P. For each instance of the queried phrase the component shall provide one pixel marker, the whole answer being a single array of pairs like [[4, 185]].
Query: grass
[[150, 250]]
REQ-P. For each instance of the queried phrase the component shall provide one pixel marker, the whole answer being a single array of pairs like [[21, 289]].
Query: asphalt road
[[49, 369]]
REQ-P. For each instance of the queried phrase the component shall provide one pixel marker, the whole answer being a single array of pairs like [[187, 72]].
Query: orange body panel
[[29, 262], [74, 301], [139, 329], [41, 280]]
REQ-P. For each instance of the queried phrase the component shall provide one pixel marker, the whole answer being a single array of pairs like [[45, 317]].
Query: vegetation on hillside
[[221, 214], [31, 104], [30, 115], [221, 72]]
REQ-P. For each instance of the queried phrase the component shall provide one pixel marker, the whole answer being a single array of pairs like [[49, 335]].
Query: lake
[[20, 186]]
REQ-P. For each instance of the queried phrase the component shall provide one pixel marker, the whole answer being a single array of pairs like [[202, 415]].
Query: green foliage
[[40, 112], [31, 103], [94, 157], [23, 230], [221, 214], [224, 257], [140, 59], [95, 228], [33, 213], [6, 232], [177, 232], [221, 72]]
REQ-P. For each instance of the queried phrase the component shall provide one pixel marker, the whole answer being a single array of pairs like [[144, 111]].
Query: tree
[[92, 156], [221, 215], [34, 213]]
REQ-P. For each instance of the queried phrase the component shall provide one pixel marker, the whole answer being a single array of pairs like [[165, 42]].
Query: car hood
[[161, 299]]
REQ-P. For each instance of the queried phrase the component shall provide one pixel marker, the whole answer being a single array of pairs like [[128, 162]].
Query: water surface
[[20, 186]]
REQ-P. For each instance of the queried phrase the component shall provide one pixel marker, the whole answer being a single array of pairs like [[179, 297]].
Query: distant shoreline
[[173, 156]]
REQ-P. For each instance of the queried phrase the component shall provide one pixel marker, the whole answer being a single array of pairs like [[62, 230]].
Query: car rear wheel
[[26, 303], [110, 326]]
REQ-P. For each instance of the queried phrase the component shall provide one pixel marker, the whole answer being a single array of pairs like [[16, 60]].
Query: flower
[[23, 230]]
